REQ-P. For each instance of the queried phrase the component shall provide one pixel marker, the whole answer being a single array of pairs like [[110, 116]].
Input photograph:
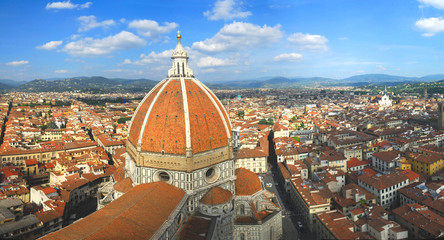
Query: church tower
[[181, 134]]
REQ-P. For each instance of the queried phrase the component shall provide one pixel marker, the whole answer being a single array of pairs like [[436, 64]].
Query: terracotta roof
[[49, 190], [285, 172], [31, 162], [196, 228], [421, 217], [165, 125], [247, 182], [354, 162], [138, 214], [216, 196], [124, 185], [119, 174], [332, 156], [47, 216], [387, 156], [383, 181], [250, 153]]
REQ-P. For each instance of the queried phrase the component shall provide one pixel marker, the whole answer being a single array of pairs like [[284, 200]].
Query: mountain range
[[102, 84]]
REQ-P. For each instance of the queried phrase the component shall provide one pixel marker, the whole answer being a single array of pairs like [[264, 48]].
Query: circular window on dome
[[212, 174], [162, 176]]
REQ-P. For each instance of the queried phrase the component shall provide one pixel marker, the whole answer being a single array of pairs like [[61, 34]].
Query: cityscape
[[259, 130]]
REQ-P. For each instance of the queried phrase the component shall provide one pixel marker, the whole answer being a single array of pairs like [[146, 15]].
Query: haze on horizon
[[225, 39]]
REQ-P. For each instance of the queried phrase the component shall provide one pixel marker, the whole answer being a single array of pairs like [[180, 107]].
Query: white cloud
[[309, 42], [430, 26], [90, 22], [239, 35], [120, 70], [91, 47], [61, 71], [434, 3], [214, 62], [382, 68], [209, 70], [152, 29], [288, 57], [226, 9], [67, 5], [50, 45], [126, 61], [151, 58], [17, 63]]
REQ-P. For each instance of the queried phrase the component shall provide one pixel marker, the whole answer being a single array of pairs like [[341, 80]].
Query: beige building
[[334, 225], [307, 202], [420, 221], [252, 159]]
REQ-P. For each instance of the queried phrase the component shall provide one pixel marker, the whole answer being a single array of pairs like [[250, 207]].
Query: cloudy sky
[[225, 39]]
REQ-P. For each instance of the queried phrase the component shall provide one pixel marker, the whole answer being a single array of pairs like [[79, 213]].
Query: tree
[[123, 120], [241, 114], [302, 125], [263, 122]]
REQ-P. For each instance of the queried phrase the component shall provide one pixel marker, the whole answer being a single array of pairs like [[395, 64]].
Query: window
[[242, 209], [164, 176]]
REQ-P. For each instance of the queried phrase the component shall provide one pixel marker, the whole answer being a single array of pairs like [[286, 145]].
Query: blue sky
[[225, 39]]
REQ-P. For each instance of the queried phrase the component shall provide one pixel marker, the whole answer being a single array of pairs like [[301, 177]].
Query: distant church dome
[[179, 116]]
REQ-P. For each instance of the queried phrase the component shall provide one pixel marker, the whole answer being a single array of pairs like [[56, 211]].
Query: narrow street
[[2, 130], [290, 216], [289, 225]]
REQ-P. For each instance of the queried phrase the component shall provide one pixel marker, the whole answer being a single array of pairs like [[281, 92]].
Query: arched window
[[242, 209], [242, 236], [178, 69]]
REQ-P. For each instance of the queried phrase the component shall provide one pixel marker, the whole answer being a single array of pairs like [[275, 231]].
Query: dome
[[180, 116], [216, 196], [247, 182]]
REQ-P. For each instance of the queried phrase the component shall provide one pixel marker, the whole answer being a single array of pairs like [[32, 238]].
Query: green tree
[[123, 120], [263, 122], [241, 114]]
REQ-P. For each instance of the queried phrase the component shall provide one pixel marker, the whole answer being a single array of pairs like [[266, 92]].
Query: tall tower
[[440, 115], [181, 134]]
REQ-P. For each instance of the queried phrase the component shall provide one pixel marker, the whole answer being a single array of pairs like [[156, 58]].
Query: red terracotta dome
[[180, 115], [247, 182], [216, 196]]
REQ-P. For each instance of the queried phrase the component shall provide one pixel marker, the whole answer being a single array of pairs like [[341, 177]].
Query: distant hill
[[12, 83], [4, 86], [88, 84], [103, 85]]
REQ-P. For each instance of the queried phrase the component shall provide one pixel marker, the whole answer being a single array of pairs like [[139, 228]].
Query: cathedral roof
[[179, 115], [216, 196], [138, 214], [247, 182]]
